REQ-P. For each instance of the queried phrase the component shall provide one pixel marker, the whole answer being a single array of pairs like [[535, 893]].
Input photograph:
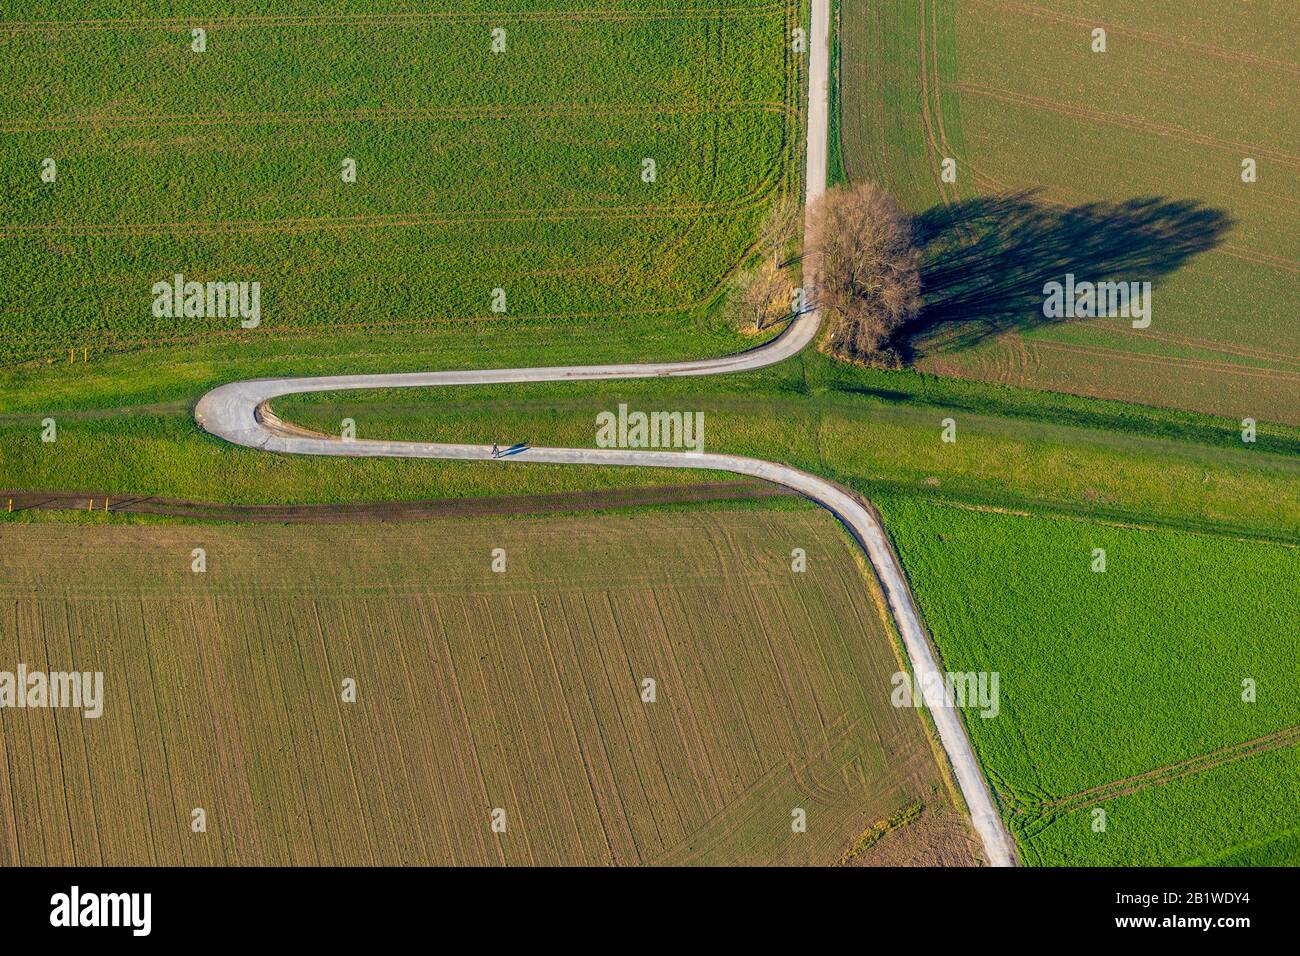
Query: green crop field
[[520, 689], [520, 171], [1133, 159], [1121, 690]]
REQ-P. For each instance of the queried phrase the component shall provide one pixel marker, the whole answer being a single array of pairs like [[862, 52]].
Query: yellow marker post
[[91, 506], [105, 504], [71, 354], [11, 504]]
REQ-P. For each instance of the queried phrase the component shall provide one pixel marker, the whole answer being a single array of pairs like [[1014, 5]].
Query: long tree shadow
[[986, 260]]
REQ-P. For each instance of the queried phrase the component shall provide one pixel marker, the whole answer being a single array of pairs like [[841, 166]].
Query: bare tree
[[865, 270], [769, 294]]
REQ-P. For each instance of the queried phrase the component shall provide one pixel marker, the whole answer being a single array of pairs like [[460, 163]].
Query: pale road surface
[[238, 412]]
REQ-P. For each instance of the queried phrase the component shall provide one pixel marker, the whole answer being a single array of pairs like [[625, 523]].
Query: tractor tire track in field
[[1202, 365], [1158, 38], [778, 181], [1033, 815], [991, 184], [396, 220], [772, 182], [240, 413], [1167, 130], [123, 346], [1244, 351], [931, 101], [932, 111], [1251, 371], [1262, 258]]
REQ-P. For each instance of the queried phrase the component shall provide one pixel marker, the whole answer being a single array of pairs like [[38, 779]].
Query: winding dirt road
[[239, 412]]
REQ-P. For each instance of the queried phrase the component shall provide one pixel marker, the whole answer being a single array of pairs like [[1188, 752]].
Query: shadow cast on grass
[[986, 260]]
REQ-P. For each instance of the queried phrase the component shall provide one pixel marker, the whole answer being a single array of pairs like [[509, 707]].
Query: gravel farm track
[[240, 412]]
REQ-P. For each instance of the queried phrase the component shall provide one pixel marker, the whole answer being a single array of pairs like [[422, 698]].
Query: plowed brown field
[[475, 690]]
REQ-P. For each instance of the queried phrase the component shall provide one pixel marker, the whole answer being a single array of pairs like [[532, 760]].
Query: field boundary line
[[771, 184]]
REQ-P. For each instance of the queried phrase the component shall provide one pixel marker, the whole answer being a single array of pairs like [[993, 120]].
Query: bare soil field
[[475, 691]]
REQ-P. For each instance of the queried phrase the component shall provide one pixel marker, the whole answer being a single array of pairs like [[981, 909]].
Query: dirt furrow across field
[[556, 503]]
